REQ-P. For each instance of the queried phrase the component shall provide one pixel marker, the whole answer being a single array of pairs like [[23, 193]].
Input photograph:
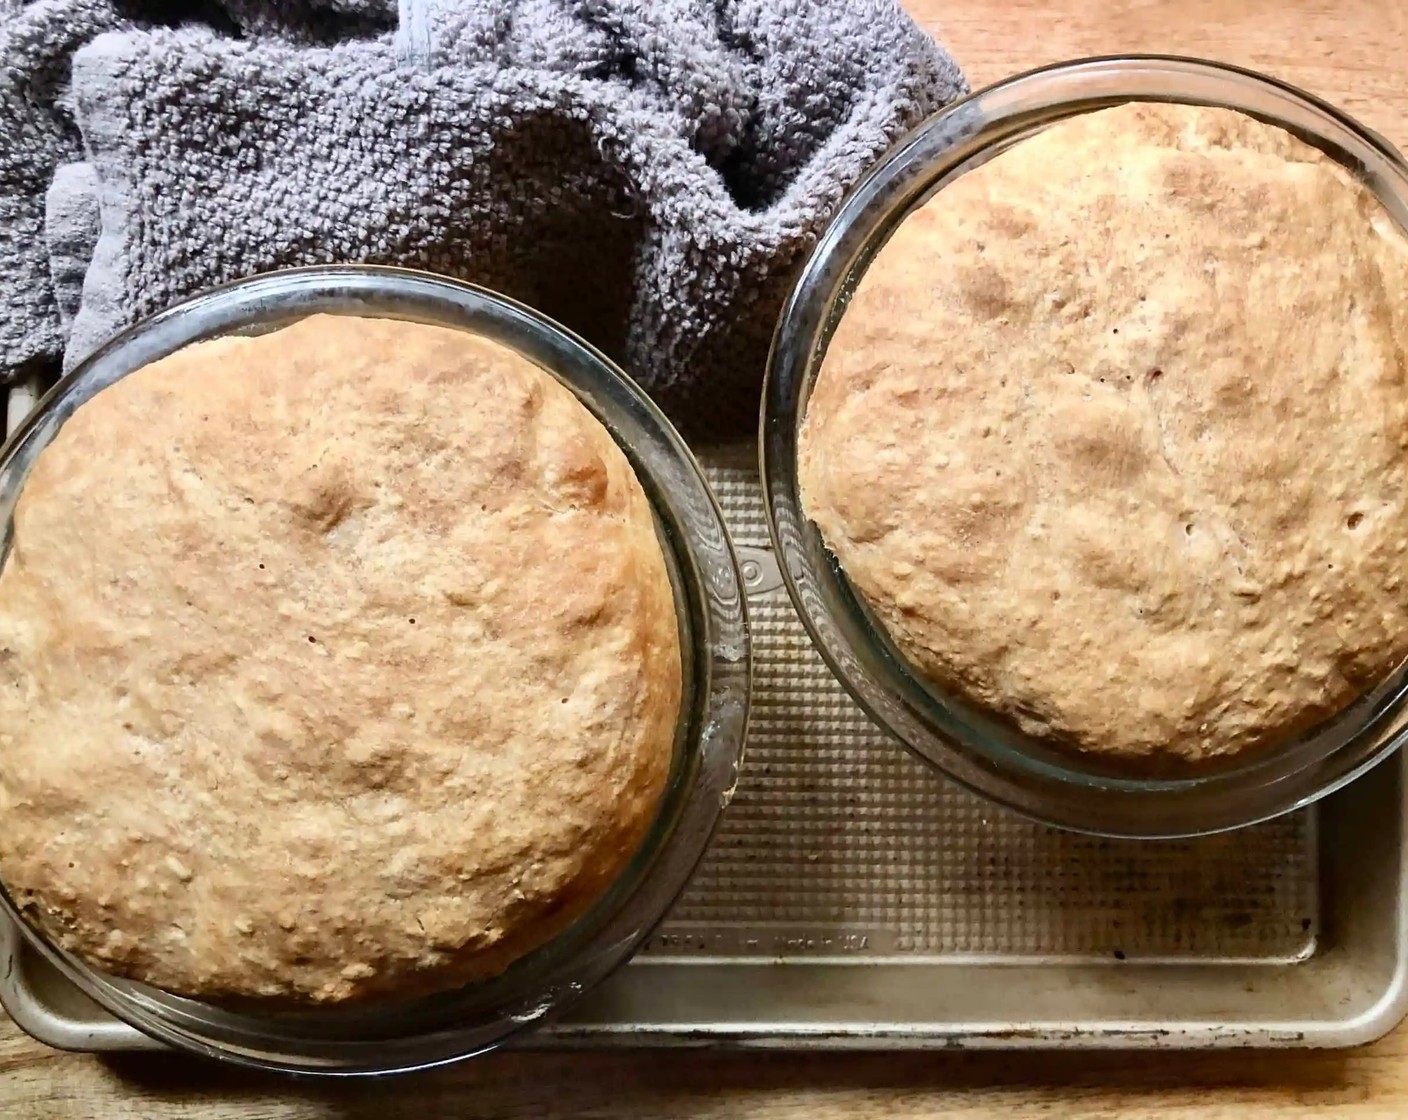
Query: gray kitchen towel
[[38, 133], [649, 172]]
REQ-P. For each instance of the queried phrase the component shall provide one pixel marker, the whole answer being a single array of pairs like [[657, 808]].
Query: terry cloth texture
[[649, 172]]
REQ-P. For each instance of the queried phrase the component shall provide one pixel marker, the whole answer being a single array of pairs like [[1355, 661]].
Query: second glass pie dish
[[986, 753]]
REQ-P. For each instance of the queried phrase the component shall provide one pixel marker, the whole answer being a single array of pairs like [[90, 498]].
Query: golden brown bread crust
[[1113, 435], [335, 663]]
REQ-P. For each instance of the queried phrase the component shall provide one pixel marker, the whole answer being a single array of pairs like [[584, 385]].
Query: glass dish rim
[[705, 571], [946, 145]]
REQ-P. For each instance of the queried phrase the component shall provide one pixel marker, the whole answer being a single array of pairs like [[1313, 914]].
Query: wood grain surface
[[1350, 51]]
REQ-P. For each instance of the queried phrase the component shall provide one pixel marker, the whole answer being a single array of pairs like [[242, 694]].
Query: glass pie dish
[[386, 1035], [986, 754]]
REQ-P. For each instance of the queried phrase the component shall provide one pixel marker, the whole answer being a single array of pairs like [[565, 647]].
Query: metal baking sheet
[[852, 898]]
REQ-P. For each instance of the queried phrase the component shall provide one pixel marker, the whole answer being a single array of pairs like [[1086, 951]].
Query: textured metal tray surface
[[841, 842], [854, 898]]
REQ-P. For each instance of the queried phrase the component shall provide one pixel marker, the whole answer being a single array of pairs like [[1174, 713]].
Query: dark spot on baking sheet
[[261, 567], [1355, 520], [1116, 330], [1188, 529], [411, 621], [1055, 596], [311, 638], [1119, 954], [1155, 374], [563, 700]]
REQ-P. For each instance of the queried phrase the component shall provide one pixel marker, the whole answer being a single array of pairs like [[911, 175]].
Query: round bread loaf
[[335, 663], [1113, 436]]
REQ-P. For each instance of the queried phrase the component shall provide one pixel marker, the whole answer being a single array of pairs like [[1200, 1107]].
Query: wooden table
[[1354, 52]]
